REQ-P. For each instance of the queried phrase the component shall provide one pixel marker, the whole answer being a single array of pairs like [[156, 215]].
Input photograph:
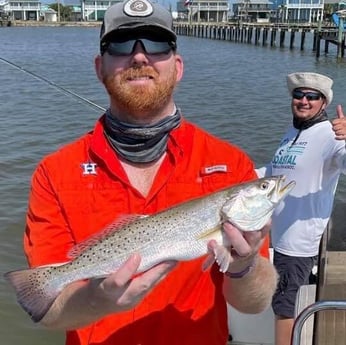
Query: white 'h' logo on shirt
[[89, 168]]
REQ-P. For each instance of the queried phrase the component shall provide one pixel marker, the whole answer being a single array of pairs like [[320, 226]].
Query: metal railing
[[308, 311]]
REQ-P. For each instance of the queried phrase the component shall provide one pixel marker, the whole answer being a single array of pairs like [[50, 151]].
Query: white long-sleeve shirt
[[315, 162]]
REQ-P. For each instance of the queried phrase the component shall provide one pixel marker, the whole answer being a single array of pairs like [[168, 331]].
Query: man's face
[[139, 80], [306, 103]]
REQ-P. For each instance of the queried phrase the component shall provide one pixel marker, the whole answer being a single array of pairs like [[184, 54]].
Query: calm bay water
[[236, 91]]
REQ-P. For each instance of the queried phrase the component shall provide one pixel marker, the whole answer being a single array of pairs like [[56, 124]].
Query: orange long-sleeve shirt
[[82, 187]]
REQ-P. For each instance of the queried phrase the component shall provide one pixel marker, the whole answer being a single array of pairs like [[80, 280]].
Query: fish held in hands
[[179, 233]]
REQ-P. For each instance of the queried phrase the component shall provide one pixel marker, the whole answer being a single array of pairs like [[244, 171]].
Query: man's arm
[[253, 291]]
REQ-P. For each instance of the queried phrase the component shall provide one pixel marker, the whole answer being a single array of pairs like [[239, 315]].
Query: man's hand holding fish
[[246, 269], [116, 293]]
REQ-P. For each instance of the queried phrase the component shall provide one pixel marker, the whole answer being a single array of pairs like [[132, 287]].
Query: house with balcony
[[94, 10], [203, 10], [86, 10], [22, 9], [258, 11], [302, 11]]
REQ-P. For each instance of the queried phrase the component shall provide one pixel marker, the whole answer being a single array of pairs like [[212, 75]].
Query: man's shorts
[[293, 273]]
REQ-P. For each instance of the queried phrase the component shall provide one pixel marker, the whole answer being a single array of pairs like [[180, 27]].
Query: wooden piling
[[326, 46], [318, 44], [242, 34], [292, 39], [340, 49], [250, 34], [273, 38], [257, 34], [264, 36], [302, 40], [282, 38]]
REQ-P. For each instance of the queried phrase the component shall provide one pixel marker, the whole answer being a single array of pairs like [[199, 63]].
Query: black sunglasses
[[126, 48], [310, 96]]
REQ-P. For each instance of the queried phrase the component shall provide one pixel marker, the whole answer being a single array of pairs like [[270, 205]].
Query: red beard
[[140, 98]]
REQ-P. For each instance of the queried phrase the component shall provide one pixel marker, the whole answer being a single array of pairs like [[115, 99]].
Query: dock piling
[[259, 34]]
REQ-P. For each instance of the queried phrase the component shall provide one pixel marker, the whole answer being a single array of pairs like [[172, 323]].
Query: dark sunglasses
[[127, 48], [310, 96]]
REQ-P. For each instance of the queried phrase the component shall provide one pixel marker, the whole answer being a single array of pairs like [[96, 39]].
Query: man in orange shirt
[[141, 158]]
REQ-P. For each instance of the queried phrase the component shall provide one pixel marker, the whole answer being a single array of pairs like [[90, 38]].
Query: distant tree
[[65, 11], [329, 9]]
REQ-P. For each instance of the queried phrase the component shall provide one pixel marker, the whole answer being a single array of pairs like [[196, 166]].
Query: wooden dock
[[267, 34]]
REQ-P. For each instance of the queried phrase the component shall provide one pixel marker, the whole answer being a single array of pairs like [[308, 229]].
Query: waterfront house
[[22, 9], [300, 11], [258, 11], [203, 10], [35, 10], [94, 10]]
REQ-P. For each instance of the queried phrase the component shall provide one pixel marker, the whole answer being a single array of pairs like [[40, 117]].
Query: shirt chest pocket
[[185, 189], [89, 208]]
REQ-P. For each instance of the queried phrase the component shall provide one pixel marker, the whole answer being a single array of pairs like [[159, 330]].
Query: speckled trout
[[178, 233]]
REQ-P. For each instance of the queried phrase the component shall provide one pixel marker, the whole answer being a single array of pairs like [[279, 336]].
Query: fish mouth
[[282, 190]]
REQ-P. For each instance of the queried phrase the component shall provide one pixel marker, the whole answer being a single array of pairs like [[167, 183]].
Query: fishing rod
[[51, 83]]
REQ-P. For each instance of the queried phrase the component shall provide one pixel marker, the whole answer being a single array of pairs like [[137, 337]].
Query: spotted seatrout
[[178, 233]]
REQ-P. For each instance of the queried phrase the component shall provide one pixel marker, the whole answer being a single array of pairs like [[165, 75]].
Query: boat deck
[[331, 325], [326, 327]]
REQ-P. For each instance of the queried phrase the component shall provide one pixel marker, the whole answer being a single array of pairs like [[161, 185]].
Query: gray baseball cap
[[137, 15]]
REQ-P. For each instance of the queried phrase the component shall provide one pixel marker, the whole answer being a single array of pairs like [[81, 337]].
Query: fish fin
[[208, 262], [30, 291], [219, 254], [222, 257], [120, 222], [210, 233]]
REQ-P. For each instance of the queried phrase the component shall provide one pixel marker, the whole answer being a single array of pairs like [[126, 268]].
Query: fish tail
[[33, 291]]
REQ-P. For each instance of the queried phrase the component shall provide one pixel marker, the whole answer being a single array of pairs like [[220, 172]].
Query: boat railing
[[310, 310]]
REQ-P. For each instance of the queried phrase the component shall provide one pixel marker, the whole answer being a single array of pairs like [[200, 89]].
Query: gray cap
[[141, 15], [313, 81]]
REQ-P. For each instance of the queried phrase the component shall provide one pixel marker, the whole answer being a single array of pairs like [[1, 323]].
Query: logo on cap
[[138, 8]]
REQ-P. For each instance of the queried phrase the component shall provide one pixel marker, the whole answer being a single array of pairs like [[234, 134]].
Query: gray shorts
[[293, 273]]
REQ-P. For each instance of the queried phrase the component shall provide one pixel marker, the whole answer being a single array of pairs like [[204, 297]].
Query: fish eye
[[264, 185]]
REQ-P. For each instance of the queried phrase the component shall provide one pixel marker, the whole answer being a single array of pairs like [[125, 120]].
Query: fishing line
[[51, 83]]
